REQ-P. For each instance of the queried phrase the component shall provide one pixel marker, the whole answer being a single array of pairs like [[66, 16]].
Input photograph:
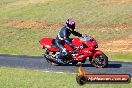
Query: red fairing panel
[[68, 47], [46, 43], [82, 54], [86, 52], [76, 42]]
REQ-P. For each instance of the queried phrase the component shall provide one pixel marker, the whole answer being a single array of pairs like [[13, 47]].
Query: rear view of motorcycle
[[87, 49]]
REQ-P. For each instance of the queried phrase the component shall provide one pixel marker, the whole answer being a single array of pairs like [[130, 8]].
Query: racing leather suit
[[63, 37]]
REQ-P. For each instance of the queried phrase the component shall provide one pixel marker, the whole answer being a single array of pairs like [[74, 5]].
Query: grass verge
[[22, 78], [120, 56], [86, 11]]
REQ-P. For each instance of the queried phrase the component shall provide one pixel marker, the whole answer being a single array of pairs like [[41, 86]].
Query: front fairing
[[91, 44]]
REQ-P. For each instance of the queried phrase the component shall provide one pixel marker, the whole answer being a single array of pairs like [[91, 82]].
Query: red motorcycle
[[86, 50]]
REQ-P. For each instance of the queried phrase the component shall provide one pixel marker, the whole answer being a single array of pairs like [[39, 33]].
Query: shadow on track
[[89, 65]]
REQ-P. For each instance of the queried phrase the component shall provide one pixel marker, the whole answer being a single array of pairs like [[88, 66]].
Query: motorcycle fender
[[97, 52]]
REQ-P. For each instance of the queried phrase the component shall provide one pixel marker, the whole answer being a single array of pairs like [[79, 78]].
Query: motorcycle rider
[[63, 37]]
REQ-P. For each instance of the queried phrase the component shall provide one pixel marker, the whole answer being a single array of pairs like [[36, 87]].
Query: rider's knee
[[64, 52]]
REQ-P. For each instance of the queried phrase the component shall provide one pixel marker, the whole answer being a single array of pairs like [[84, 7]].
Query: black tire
[[96, 63], [49, 60], [74, 62], [81, 80], [83, 61]]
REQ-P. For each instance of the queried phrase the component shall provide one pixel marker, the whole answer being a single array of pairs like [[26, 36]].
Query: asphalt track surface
[[39, 63]]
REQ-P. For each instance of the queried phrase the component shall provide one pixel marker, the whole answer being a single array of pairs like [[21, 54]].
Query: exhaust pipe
[[52, 59]]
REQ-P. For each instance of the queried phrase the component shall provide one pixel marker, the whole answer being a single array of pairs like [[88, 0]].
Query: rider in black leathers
[[63, 37]]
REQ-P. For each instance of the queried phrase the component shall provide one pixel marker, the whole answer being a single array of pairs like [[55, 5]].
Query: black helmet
[[70, 23]]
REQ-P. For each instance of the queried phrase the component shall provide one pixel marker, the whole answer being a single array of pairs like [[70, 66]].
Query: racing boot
[[61, 55], [59, 59]]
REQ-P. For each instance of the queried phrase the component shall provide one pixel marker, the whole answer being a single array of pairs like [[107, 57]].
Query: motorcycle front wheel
[[100, 61]]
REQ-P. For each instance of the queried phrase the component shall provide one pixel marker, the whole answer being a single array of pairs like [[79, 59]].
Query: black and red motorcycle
[[87, 49]]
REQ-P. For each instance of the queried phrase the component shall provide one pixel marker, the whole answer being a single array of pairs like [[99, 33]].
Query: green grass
[[86, 11], [120, 56], [22, 78], [4, 3], [106, 34], [22, 41]]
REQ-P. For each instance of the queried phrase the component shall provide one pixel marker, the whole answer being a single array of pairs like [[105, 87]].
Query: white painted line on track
[[59, 72]]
